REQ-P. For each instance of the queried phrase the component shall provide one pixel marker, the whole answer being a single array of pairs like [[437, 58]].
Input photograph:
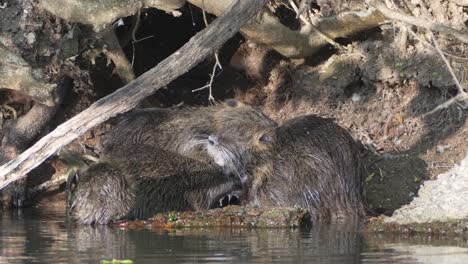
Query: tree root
[[116, 54], [124, 99], [17, 136], [18, 133], [268, 30], [17, 74], [102, 13]]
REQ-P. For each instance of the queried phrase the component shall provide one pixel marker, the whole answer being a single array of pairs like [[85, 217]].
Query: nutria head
[[243, 134]]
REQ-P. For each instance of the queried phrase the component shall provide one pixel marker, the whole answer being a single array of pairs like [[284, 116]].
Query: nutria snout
[[190, 132], [308, 162], [237, 152]]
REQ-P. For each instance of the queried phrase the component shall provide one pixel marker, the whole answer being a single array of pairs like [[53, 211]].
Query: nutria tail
[[103, 195], [316, 165]]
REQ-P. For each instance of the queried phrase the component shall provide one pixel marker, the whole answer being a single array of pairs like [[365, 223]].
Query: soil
[[380, 89]]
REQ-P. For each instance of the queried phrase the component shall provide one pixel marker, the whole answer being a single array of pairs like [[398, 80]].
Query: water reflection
[[40, 237]]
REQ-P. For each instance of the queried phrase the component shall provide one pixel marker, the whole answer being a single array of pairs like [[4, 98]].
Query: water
[[48, 237]]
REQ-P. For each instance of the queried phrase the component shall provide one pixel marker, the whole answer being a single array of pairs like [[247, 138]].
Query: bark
[[124, 99], [267, 29]]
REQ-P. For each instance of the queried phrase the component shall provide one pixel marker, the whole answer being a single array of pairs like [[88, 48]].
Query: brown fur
[[148, 180], [311, 163], [186, 131], [308, 162]]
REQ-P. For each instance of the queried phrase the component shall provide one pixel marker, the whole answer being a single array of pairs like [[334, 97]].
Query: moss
[[231, 216]]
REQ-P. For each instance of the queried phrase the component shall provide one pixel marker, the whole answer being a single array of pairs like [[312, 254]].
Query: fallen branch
[[124, 99], [420, 22]]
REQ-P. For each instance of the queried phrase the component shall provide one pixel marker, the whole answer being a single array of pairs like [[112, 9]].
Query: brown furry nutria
[[186, 131], [149, 180], [309, 162]]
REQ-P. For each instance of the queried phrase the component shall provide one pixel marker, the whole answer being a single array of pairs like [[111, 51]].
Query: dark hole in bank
[[158, 36]]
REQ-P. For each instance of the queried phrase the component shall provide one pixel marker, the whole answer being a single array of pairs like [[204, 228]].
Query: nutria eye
[[232, 103], [264, 138]]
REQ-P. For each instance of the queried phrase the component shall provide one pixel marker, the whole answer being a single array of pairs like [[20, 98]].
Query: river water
[[34, 236]]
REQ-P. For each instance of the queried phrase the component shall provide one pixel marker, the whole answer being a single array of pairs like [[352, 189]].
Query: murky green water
[[46, 237]]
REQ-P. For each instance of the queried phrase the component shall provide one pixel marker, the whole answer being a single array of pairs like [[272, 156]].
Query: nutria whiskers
[[308, 162]]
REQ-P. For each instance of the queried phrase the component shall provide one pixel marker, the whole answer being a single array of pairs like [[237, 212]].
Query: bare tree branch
[[420, 22], [462, 95]]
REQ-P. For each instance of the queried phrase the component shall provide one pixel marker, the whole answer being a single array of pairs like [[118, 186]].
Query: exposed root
[[266, 29], [308, 22], [102, 13], [17, 74], [115, 53]]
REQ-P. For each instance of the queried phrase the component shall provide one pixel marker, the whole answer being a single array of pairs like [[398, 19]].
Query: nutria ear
[[232, 103]]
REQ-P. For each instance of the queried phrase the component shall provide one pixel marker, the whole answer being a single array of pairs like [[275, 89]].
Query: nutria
[[146, 181], [185, 131], [308, 162]]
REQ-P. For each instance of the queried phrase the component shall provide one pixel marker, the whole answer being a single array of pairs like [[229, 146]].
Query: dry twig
[[420, 22], [461, 95], [213, 73]]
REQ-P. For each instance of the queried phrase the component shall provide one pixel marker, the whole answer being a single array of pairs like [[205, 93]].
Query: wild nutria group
[[200, 158]]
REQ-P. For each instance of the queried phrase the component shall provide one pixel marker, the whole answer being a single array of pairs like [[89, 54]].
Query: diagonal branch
[[201, 45], [420, 22]]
